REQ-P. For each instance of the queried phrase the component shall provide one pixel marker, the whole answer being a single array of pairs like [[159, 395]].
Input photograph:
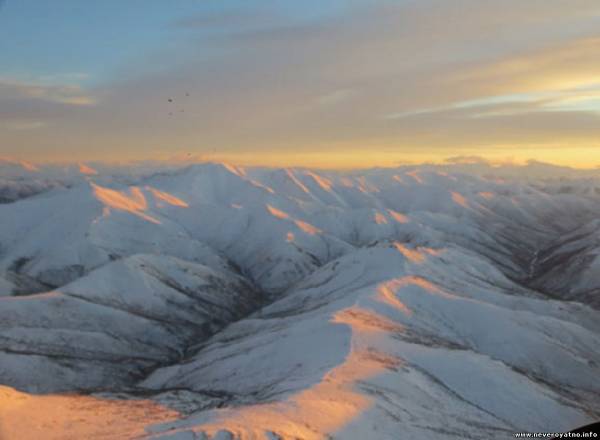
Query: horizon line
[[447, 161]]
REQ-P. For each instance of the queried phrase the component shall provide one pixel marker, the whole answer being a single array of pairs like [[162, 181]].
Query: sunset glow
[[59, 417], [329, 405], [299, 220], [87, 170], [167, 198], [534, 95]]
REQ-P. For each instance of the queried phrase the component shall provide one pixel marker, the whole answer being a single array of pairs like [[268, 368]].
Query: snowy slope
[[569, 268], [108, 327], [295, 303], [403, 343]]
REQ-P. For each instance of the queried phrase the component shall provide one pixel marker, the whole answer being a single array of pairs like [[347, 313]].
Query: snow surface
[[232, 303]]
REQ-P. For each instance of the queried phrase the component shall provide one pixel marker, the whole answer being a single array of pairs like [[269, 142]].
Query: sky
[[324, 83]]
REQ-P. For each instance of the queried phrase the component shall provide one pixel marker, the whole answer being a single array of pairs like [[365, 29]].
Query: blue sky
[[69, 37], [288, 82], [74, 38]]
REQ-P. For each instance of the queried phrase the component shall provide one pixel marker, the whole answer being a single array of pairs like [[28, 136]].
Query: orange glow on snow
[[412, 255], [366, 321], [428, 286], [277, 212], [134, 202], [365, 186], [326, 407], [307, 227], [60, 417], [386, 293], [323, 182], [347, 182], [119, 200], [380, 218], [400, 218], [304, 226], [241, 172], [290, 237], [167, 198], [294, 179], [257, 184], [29, 166], [445, 174], [417, 255], [487, 195], [418, 281], [398, 179], [87, 170], [415, 175], [459, 199], [433, 252], [238, 171]]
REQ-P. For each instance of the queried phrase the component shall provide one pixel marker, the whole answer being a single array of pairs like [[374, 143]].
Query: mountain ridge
[[296, 303]]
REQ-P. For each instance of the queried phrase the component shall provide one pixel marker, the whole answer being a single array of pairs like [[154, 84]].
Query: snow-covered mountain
[[415, 302]]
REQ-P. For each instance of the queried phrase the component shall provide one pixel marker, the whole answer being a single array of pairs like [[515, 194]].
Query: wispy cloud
[[24, 125], [585, 98], [70, 94]]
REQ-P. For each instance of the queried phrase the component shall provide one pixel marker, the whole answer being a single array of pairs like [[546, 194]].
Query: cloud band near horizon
[[350, 83]]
